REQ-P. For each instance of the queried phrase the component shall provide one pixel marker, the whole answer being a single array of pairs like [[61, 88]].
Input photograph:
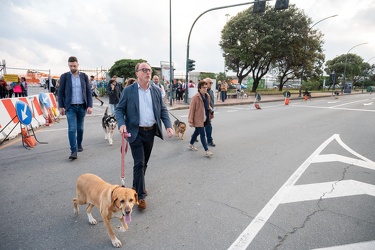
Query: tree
[[301, 52], [251, 43], [125, 67], [353, 67]]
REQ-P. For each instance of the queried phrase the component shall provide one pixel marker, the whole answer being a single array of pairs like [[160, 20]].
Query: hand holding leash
[[170, 132]]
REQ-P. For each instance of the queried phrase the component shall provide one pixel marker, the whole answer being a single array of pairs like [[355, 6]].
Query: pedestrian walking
[[140, 112], [74, 98], [208, 127], [199, 116]]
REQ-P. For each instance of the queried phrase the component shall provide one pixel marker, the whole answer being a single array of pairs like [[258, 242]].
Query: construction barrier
[[9, 119]]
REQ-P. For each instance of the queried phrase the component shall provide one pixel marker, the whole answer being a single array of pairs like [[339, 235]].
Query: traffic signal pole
[[188, 41]]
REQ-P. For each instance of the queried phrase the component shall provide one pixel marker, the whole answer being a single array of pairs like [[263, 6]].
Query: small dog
[[179, 128], [111, 200], [109, 124]]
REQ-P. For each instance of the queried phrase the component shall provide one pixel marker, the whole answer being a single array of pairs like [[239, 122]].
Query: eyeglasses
[[145, 70]]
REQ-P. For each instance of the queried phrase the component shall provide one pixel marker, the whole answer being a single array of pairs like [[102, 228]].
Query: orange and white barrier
[[8, 112]]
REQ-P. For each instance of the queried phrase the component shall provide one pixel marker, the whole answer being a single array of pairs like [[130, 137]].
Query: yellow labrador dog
[[112, 201]]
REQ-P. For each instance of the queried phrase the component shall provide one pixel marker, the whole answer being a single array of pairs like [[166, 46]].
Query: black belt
[[147, 128], [78, 105]]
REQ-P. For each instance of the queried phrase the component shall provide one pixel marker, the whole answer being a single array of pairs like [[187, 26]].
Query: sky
[[39, 34]]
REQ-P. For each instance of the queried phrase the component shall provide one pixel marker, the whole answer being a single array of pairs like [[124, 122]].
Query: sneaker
[[212, 144], [102, 103], [209, 153], [142, 204], [192, 147], [80, 148], [73, 155]]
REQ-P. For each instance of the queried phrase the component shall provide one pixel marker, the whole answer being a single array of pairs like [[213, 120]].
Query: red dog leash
[[124, 150]]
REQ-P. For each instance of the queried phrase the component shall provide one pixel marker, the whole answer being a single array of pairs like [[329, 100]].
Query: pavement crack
[[308, 217]]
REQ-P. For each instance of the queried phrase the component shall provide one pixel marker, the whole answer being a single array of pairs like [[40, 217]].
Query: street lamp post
[[346, 61], [191, 29], [170, 56], [304, 51]]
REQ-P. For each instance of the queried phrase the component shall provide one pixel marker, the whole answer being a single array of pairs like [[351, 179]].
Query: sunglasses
[[144, 70]]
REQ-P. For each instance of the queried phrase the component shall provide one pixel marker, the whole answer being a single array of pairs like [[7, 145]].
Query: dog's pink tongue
[[127, 218]]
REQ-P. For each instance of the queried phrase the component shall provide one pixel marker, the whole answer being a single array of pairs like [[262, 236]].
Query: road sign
[[287, 94], [43, 98], [257, 97], [23, 112]]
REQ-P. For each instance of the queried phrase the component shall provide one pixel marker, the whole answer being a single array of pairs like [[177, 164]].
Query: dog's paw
[[92, 219], [116, 242]]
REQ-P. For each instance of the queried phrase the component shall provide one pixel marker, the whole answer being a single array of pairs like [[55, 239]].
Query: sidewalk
[[251, 99]]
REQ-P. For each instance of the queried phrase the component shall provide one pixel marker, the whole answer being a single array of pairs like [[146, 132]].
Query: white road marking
[[319, 107], [327, 190], [368, 245], [347, 103], [367, 104], [282, 195]]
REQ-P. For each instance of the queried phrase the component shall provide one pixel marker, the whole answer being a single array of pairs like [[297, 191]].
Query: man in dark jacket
[[140, 112], [75, 100], [208, 128]]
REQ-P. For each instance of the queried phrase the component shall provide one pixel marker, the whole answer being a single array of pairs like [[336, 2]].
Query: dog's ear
[[136, 197]]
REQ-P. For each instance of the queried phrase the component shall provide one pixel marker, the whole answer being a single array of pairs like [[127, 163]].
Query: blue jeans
[[199, 131], [76, 117], [141, 152], [112, 107], [223, 95], [208, 129]]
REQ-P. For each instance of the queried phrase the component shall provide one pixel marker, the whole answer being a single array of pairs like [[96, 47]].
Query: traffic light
[[259, 6], [191, 65], [281, 4]]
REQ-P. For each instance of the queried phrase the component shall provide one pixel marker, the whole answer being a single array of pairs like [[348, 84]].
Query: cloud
[[43, 34]]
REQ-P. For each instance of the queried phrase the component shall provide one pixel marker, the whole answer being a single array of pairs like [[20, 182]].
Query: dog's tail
[[106, 111]]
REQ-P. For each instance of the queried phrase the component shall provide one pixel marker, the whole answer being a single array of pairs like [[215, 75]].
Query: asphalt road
[[300, 176]]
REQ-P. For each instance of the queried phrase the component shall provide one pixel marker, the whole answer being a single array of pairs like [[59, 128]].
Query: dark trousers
[[199, 131], [208, 129], [141, 151], [223, 95]]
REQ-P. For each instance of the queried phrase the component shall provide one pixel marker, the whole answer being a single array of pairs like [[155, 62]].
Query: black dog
[[109, 124]]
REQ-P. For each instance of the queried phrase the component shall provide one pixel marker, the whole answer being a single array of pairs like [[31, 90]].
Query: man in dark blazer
[[75, 100], [140, 112]]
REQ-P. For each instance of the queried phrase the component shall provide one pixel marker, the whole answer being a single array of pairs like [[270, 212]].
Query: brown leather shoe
[[142, 204]]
